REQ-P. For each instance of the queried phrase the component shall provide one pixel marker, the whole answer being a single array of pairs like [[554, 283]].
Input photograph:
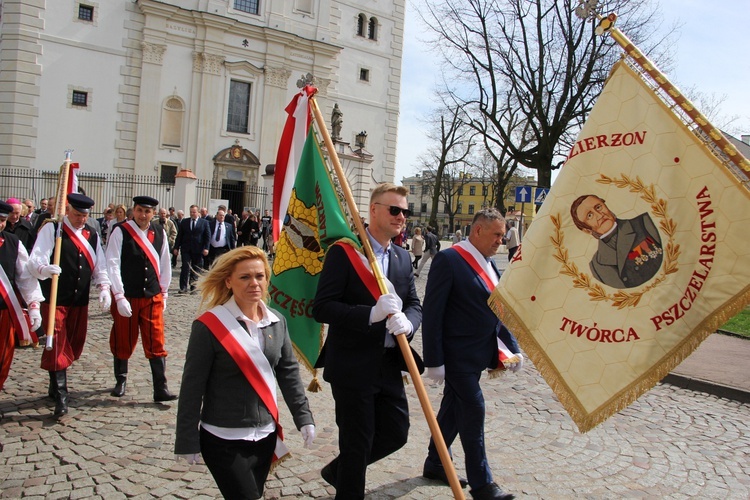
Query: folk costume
[[362, 362], [82, 263], [228, 408], [17, 286], [139, 266]]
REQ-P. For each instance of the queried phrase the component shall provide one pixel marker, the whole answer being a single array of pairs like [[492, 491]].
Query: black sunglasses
[[394, 210]]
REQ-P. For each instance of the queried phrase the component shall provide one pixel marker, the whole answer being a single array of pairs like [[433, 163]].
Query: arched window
[[361, 22], [372, 29], [172, 115]]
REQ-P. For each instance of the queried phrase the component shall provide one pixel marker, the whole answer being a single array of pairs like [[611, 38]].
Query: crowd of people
[[240, 348]]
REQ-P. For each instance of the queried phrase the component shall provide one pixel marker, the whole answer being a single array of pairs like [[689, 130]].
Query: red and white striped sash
[[20, 320], [252, 363], [81, 243], [145, 245]]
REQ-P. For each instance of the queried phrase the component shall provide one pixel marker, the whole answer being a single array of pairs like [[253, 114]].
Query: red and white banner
[[288, 157], [639, 252], [73, 178]]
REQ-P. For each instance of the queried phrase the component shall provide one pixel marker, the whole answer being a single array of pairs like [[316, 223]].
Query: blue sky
[[711, 54]]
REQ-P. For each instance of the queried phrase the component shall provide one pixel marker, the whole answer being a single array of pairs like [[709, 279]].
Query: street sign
[[523, 194], [540, 194]]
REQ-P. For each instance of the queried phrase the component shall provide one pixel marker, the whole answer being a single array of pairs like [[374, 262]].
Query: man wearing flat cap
[[139, 266], [81, 263], [15, 281]]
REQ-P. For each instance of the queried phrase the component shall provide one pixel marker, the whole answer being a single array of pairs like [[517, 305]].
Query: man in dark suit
[[629, 252], [193, 239], [360, 357], [19, 226], [460, 340], [222, 237]]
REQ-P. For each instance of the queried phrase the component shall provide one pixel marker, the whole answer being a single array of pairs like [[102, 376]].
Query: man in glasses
[[360, 358]]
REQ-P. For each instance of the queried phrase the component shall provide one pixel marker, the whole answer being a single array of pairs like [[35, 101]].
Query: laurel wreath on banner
[[621, 298]]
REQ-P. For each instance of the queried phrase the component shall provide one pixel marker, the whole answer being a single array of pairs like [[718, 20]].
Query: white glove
[[436, 373], [516, 367], [190, 458], [105, 298], [398, 324], [123, 307], [35, 316], [164, 299], [387, 304], [49, 270], [308, 434]]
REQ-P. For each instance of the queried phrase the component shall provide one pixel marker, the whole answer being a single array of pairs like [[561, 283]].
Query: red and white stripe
[[288, 157], [73, 178]]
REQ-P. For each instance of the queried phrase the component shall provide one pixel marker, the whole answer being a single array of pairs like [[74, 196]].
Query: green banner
[[314, 221]]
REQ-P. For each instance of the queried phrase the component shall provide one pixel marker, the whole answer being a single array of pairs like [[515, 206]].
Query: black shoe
[[439, 475], [328, 473], [491, 492], [161, 391], [182, 290]]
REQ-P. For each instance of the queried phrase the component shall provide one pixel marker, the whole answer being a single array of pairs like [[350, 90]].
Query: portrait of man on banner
[[629, 252]]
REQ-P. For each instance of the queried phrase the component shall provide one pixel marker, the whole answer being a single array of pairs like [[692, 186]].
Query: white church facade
[[158, 87]]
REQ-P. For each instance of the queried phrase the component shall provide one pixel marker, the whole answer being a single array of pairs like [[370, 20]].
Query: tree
[[453, 143], [527, 72]]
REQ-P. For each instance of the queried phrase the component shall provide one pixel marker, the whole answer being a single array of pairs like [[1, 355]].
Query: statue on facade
[[337, 119]]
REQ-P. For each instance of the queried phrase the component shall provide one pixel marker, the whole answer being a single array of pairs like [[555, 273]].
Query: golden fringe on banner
[[586, 421], [315, 385], [278, 462]]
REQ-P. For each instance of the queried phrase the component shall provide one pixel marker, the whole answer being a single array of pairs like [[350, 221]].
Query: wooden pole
[[403, 344], [60, 203], [683, 102]]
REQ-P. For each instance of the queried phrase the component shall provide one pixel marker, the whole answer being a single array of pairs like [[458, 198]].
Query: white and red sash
[[362, 268], [504, 355], [20, 320], [142, 241], [252, 363], [81, 243]]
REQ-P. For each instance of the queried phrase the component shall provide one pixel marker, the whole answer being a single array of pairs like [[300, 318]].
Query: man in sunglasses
[[360, 357]]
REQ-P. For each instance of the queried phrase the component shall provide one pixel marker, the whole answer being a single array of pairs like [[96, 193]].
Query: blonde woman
[[120, 216], [417, 246], [237, 352]]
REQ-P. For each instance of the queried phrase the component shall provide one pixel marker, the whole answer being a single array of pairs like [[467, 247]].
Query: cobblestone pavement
[[671, 443]]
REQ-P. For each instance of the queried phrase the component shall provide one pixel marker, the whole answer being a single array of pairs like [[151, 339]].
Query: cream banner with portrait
[[640, 251]]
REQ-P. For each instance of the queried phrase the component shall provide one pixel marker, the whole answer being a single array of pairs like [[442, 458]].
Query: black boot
[[61, 395], [158, 369], [52, 390], [121, 376]]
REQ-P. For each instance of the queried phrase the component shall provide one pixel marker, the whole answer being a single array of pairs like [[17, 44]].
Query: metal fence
[[237, 193], [24, 183]]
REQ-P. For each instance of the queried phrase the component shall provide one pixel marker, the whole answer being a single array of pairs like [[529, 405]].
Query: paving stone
[[671, 443]]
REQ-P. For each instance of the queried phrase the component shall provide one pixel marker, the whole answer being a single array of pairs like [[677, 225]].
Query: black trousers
[[213, 254], [239, 467], [462, 414], [192, 264], [373, 422]]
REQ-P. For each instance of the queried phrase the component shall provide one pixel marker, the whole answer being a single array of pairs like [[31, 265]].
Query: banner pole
[[403, 344], [60, 203], [674, 93]]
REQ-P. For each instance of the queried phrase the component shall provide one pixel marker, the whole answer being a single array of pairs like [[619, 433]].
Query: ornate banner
[[640, 251]]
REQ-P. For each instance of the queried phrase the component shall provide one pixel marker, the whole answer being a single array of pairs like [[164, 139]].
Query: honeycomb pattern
[[561, 319], [290, 256]]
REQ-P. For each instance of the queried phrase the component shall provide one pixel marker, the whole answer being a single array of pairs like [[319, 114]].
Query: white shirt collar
[[268, 317], [376, 246]]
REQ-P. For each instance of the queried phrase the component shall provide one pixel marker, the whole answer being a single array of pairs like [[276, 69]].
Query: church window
[[249, 6], [239, 107]]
